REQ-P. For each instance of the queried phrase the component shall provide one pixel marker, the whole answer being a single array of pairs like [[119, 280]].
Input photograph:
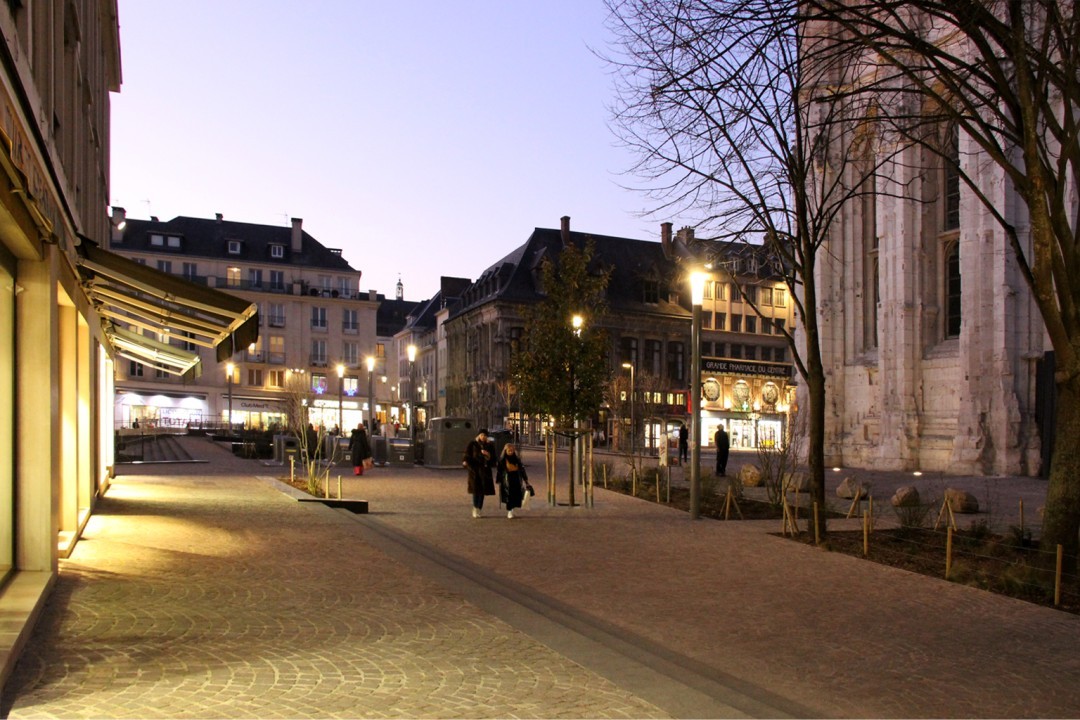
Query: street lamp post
[[633, 430], [340, 392], [697, 296], [371, 391], [576, 322], [230, 368], [411, 350]]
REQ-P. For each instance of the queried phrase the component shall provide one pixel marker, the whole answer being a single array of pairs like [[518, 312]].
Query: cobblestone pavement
[[207, 591]]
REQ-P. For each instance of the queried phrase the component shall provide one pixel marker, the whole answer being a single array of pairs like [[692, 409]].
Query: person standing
[[480, 482], [359, 448], [723, 446], [684, 445], [513, 481]]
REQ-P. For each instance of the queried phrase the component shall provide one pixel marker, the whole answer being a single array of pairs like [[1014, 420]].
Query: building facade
[[62, 296], [317, 329], [747, 382], [746, 371], [935, 354]]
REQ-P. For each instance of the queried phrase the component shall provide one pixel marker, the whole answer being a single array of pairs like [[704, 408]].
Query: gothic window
[[952, 289], [949, 238], [871, 270], [951, 182]]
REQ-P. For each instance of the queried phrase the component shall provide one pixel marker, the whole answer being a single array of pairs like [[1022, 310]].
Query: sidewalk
[[208, 591]]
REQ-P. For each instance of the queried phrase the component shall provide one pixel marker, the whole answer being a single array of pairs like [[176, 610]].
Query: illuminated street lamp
[[633, 433], [340, 391], [576, 322], [411, 350], [230, 368], [697, 296], [371, 391]]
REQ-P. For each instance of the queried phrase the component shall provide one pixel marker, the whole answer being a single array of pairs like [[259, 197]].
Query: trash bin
[[379, 451], [500, 437], [343, 457], [446, 441], [401, 451], [283, 443]]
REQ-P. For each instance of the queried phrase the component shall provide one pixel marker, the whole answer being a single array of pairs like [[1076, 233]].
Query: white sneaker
[[475, 513], [510, 515]]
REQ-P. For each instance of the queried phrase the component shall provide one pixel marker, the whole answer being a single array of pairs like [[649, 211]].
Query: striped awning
[[135, 300]]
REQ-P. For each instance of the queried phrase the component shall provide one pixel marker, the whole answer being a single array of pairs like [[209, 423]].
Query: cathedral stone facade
[[934, 350]]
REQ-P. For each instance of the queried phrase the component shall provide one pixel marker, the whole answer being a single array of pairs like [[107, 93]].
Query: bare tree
[[298, 397], [738, 119], [1005, 74]]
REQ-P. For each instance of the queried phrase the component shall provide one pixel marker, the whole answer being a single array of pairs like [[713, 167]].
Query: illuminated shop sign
[[745, 367]]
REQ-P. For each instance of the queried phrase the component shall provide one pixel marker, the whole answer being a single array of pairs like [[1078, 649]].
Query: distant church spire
[[400, 289]]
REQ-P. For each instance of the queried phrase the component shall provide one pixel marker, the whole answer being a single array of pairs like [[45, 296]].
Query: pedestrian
[[311, 437], [722, 448], [684, 445], [512, 478], [476, 464], [359, 449]]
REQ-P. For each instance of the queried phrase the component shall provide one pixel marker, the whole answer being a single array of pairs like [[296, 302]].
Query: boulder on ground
[[750, 476], [906, 496], [797, 482], [850, 488], [961, 501]]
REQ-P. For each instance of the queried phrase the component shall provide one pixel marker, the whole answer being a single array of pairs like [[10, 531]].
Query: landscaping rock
[[906, 496], [750, 476], [797, 482], [961, 501], [850, 488]]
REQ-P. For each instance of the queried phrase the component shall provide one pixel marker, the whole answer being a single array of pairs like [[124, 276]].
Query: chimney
[[686, 236], [219, 217], [119, 220], [297, 235], [565, 231], [665, 239]]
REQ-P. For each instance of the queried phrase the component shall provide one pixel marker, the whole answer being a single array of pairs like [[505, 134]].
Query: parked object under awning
[[133, 298]]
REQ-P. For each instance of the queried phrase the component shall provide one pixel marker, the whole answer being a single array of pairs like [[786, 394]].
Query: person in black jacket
[[723, 446], [477, 465], [512, 478], [359, 448]]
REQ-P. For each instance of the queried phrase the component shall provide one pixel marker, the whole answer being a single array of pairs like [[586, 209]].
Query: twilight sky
[[423, 137]]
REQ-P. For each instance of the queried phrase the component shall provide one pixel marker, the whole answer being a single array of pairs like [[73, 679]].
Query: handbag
[[526, 493], [368, 463]]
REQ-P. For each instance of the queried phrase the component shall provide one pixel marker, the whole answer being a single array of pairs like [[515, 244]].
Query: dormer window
[[277, 251], [171, 241], [652, 292], [234, 247]]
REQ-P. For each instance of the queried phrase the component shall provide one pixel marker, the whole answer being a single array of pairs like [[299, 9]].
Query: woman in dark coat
[[481, 483], [359, 448], [512, 479]]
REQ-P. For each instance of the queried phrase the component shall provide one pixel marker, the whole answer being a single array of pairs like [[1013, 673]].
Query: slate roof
[[392, 315], [203, 237], [631, 262]]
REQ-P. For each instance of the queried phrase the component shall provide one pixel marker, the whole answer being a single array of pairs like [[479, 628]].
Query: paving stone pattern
[[203, 597], [208, 591]]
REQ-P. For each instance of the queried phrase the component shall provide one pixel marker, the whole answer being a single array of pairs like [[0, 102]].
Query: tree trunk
[[1061, 523], [815, 457]]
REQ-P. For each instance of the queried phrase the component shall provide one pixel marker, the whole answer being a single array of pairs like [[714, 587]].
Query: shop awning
[[134, 299]]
